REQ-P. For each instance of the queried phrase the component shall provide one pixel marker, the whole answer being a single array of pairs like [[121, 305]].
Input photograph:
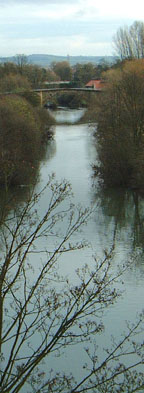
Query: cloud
[[62, 26], [36, 2]]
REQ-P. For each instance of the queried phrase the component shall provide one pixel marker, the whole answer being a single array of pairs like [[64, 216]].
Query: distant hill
[[46, 60]]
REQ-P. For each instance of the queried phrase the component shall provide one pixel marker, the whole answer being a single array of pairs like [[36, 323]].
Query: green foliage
[[33, 75], [83, 73], [38, 75], [7, 68], [21, 134], [63, 70], [14, 83], [92, 103], [32, 97], [46, 124], [71, 99], [120, 131]]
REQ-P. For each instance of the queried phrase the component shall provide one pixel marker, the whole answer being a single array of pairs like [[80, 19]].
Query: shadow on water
[[14, 196], [49, 151], [127, 209], [124, 210]]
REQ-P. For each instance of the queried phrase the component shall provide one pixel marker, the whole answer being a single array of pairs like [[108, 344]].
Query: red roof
[[95, 84]]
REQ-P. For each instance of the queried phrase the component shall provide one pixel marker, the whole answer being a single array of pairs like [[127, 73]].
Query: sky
[[64, 27]]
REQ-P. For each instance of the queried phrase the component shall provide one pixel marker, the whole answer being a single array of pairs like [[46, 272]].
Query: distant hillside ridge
[[44, 60]]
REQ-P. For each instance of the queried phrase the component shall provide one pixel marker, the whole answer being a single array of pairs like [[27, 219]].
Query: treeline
[[21, 77], [23, 131], [24, 125], [19, 73], [120, 117]]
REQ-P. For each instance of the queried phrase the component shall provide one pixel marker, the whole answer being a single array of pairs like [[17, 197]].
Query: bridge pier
[[41, 97]]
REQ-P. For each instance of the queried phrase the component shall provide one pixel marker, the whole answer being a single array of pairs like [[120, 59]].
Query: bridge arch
[[56, 89]]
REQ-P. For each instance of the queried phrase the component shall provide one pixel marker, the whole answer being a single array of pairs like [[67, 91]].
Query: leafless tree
[[42, 313], [21, 60], [129, 41]]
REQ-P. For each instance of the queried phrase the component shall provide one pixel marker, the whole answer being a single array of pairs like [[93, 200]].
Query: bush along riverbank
[[23, 131]]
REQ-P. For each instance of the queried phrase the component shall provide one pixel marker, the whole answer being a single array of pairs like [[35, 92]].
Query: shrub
[[14, 82], [21, 134]]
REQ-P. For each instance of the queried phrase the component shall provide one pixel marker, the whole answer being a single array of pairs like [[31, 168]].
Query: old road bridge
[[41, 92]]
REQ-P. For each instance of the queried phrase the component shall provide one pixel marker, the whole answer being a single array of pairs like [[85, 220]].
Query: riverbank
[[24, 129]]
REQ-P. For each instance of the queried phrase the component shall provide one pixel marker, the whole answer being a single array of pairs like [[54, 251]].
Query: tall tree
[[120, 129], [84, 72], [21, 60], [129, 41], [63, 70]]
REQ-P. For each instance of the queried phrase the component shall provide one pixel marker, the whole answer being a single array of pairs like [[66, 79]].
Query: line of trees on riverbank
[[119, 114], [36, 76], [23, 131], [24, 126], [120, 126]]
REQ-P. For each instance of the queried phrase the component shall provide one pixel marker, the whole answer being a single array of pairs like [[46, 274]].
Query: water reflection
[[13, 197], [65, 115], [126, 208], [49, 150]]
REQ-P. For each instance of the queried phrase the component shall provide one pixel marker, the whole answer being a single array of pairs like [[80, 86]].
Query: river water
[[118, 216], [70, 155]]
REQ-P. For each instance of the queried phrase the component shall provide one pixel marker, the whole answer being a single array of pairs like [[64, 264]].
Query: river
[[70, 155], [118, 216]]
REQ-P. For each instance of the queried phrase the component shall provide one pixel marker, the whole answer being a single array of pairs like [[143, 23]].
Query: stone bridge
[[55, 89], [41, 91]]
